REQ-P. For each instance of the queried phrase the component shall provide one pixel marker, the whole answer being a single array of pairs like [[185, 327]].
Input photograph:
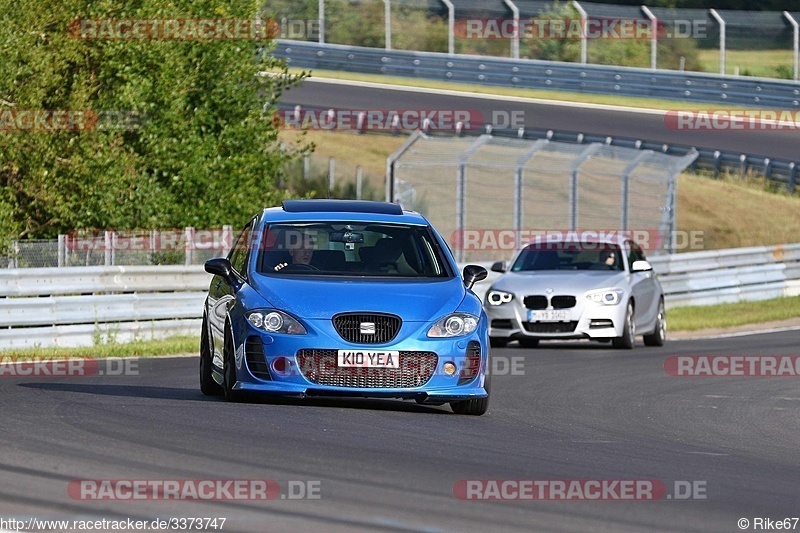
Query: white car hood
[[574, 282]]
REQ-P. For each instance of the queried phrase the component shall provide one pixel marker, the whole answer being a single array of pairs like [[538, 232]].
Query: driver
[[608, 257], [300, 255]]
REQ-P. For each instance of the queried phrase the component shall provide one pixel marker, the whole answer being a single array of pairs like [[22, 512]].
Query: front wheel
[[659, 334], [208, 386], [476, 407], [626, 341]]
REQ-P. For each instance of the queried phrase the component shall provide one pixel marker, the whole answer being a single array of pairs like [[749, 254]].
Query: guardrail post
[[331, 175], [792, 177]]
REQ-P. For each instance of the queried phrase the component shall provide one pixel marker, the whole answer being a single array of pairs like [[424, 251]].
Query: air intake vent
[[254, 355], [473, 363]]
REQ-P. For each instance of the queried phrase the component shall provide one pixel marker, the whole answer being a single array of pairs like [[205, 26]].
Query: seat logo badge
[[367, 328]]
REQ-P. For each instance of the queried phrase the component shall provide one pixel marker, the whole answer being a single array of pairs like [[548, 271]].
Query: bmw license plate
[[550, 315], [369, 359]]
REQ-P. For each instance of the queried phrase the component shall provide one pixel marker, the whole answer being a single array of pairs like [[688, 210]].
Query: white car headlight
[[274, 321], [454, 325], [605, 296], [499, 297]]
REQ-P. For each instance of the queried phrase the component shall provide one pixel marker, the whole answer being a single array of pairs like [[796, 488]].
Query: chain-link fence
[[188, 246], [488, 195]]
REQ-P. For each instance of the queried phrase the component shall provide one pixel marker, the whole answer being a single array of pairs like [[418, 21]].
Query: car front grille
[[320, 367], [254, 355], [550, 327], [355, 327], [540, 301]]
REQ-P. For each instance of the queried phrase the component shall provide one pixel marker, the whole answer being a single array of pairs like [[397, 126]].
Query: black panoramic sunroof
[[341, 206]]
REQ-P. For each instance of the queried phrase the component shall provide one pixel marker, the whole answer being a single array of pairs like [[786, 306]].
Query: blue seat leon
[[338, 298]]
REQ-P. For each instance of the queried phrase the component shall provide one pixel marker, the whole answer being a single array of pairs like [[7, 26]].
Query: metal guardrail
[[547, 75], [74, 306]]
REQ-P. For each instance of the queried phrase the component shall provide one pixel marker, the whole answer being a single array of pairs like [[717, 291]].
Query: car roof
[[312, 210]]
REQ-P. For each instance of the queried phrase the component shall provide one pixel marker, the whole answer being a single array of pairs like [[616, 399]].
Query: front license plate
[[551, 315], [369, 359]]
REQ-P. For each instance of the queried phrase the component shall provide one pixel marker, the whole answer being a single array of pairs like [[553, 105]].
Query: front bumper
[[285, 376], [586, 320]]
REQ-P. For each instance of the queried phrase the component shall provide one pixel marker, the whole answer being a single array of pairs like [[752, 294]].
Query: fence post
[[188, 245], [107, 248], [721, 23], [227, 239], [321, 21], [331, 175], [359, 179], [62, 248]]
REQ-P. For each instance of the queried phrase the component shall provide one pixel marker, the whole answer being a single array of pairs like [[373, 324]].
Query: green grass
[[731, 315], [762, 63], [627, 101], [169, 346]]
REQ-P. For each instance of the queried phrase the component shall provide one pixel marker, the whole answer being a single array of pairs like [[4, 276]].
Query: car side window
[[241, 247]]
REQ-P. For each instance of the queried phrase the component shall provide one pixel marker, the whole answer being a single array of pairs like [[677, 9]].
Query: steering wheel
[[299, 267]]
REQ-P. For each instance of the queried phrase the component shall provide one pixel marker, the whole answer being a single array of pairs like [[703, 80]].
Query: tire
[[626, 341], [498, 342], [659, 334], [529, 343], [476, 407], [229, 370], [208, 386]]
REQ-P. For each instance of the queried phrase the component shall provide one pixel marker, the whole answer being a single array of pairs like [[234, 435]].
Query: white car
[[602, 290]]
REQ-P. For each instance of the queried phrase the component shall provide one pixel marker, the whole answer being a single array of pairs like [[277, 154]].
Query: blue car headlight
[[274, 321], [605, 296], [454, 325]]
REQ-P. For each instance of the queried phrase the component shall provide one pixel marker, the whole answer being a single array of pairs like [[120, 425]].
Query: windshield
[[569, 256], [347, 249]]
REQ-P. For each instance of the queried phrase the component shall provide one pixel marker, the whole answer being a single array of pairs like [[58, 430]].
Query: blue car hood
[[315, 298]]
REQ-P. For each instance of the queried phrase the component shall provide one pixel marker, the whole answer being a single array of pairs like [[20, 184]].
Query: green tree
[[199, 147]]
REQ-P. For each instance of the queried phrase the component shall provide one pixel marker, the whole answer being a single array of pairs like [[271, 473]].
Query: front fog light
[[449, 368]]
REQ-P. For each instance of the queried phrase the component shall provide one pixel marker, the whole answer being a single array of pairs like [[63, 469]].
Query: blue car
[[337, 298]]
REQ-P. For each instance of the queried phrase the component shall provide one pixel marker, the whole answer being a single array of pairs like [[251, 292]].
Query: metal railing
[[547, 75], [76, 306]]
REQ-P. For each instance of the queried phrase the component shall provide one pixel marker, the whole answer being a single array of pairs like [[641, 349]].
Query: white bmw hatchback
[[577, 289]]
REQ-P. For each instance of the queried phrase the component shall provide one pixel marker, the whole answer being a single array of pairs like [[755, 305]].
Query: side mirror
[[474, 274], [641, 266], [499, 266], [220, 266]]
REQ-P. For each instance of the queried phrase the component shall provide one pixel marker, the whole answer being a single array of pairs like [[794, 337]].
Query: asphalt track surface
[[780, 144], [577, 411]]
